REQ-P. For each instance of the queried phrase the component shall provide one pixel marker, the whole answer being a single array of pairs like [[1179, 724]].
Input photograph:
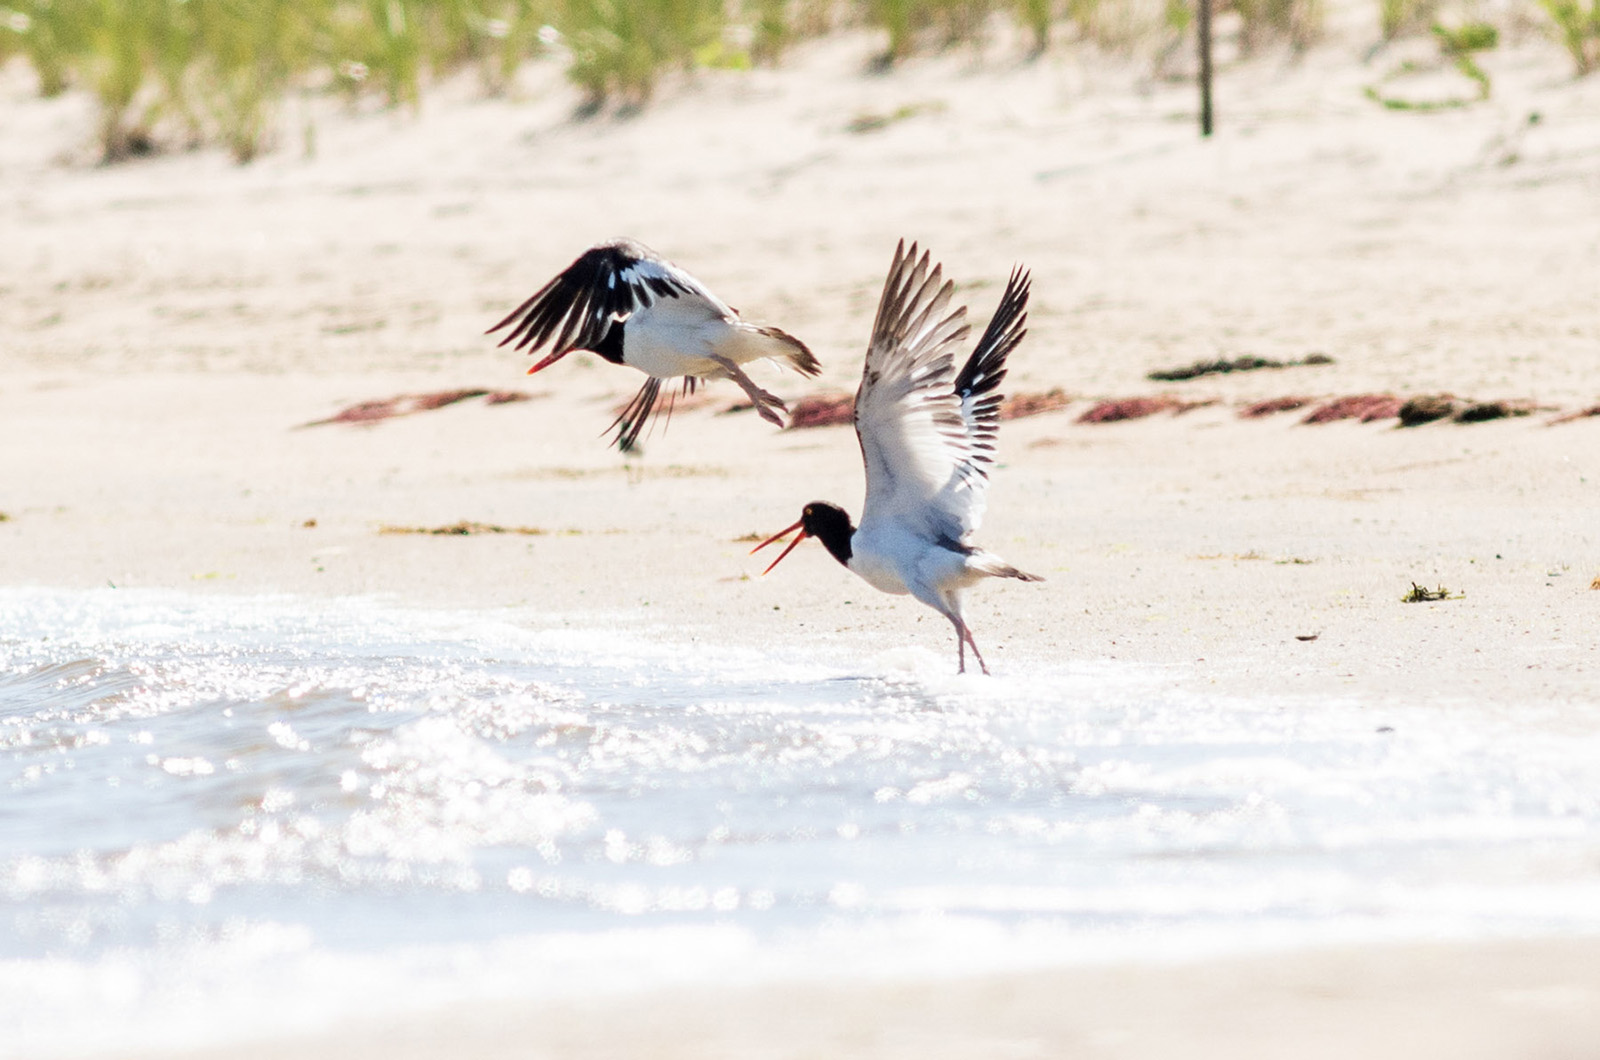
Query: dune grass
[[1261, 21], [215, 69], [186, 72], [1578, 28], [621, 47], [1399, 17]]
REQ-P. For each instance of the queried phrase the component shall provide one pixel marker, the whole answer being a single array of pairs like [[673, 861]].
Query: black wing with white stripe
[[978, 385], [607, 283]]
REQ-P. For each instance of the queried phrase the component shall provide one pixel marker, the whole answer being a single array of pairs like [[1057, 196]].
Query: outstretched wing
[[978, 388], [908, 417], [607, 283]]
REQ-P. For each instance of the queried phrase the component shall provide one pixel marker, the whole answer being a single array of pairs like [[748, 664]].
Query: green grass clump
[[621, 47], [1127, 26], [1036, 16], [1458, 44], [911, 24], [248, 55], [898, 17], [122, 37], [49, 35], [1297, 21], [961, 21], [772, 29], [216, 69], [1579, 30], [497, 38], [1399, 17]]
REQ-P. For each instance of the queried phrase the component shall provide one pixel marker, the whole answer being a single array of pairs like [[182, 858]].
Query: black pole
[[1205, 67]]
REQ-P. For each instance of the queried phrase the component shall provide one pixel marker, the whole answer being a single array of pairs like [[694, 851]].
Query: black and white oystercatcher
[[629, 305], [927, 436]]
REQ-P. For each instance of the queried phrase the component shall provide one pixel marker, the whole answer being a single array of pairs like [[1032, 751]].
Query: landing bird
[[927, 436], [629, 305]]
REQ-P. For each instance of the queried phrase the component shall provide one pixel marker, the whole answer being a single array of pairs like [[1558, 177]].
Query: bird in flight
[[927, 435], [629, 305]]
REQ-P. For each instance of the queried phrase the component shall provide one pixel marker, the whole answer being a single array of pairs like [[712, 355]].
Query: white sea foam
[[226, 817]]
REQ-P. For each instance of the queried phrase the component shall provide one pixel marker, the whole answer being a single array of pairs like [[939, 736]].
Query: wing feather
[[927, 432], [978, 388], [907, 415], [607, 283], [645, 407]]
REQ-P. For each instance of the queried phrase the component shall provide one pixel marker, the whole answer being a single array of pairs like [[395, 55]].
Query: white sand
[[169, 323], [1490, 1002]]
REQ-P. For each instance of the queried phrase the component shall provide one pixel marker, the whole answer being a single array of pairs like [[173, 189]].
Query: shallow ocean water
[[223, 817]]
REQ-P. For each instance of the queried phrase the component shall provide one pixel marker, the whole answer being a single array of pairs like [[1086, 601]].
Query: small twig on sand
[[462, 529], [1420, 595], [1238, 364]]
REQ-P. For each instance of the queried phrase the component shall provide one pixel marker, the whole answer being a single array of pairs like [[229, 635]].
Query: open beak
[[548, 361], [801, 536]]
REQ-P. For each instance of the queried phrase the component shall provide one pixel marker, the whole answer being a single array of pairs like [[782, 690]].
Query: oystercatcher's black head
[[829, 524], [826, 522]]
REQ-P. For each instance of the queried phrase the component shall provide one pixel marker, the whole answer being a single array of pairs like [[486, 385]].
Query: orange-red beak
[[801, 536], [548, 361]]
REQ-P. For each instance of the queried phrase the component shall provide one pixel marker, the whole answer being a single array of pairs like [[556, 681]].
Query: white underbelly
[[877, 554], [879, 573], [679, 337], [667, 351], [894, 561]]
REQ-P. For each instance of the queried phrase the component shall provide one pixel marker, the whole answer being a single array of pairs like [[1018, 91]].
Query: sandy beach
[[1491, 1001], [175, 325]]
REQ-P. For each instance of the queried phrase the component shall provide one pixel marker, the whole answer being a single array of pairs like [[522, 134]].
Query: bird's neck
[[836, 539], [610, 347]]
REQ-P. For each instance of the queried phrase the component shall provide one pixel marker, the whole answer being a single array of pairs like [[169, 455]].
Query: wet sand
[[1240, 555]]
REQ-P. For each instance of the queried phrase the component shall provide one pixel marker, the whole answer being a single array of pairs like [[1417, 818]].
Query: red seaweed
[[1365, 407], [1137, 408], [370, 412], [830, 410], [440, 398], [1593, 410], [1017, 406], [822, 410], [365, 412], [1272, 406]]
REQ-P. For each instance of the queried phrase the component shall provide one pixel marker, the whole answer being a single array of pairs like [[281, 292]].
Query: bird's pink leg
[[976, 653], [764, 402], [963, 638]]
